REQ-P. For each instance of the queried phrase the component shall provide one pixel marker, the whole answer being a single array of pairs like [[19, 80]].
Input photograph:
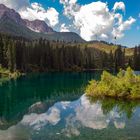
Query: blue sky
[[91, 19], [132, 36]]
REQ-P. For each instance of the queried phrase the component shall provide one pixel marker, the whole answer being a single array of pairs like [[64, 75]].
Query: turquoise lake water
[[53, 106]]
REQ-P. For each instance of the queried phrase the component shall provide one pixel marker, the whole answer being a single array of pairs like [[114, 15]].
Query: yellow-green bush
[[126, 84], [6, 73]]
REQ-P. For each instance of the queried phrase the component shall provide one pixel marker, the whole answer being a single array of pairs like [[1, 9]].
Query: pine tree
[[118, 58], [1, 52], [135, 58]]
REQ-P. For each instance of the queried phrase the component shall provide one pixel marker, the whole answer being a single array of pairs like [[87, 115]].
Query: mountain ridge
[[12, 23]]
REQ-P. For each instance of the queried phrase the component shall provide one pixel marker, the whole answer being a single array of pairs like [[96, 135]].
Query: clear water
[[53, 106]]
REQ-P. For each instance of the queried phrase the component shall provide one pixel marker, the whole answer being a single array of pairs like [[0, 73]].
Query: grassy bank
[[126, 84]]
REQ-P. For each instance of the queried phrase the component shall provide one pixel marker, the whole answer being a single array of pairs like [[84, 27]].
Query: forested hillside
[[42, 55]]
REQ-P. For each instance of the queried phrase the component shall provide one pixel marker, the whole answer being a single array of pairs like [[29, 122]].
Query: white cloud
[[15, 4], [33, 11], [63, 28], [63, 1], [36, 11], [93, 20], [126, 25], [118, 32], [119, 6], [70, 7], [72, 1], [53, 16], [96, 20]]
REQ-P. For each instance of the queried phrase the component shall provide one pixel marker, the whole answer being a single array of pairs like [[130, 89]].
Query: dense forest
[[42, 55]]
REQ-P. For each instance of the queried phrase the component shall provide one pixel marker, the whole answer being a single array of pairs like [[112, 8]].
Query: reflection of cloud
[[39, 120], [70, 127], [76, 116], [91, 115], [119, 125], [65, 104], [64, 28], [14, 133]]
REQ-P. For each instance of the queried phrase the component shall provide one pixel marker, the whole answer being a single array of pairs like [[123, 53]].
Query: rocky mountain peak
[[38, 26]]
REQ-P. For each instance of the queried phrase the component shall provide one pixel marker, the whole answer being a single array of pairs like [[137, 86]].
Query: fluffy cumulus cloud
[[15, 4], [96, 20], [118, 32], [70, 7], [119, 6], [34, 11], [64, 28]]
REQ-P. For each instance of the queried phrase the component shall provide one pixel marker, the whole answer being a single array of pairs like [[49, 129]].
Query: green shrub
[[126, 84], [6, 73]]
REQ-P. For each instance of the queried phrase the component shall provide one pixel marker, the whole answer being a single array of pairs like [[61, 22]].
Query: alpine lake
[[53, 106]]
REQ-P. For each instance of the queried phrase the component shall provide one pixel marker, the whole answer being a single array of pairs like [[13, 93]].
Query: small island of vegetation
[[126, 84]]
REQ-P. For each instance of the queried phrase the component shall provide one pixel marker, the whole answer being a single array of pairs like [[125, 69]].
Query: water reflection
[[73, 119], [16, 96], [123, 106], [48, 106]]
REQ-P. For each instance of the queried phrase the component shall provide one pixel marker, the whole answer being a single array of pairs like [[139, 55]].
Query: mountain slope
[[64, 36], [35, 25], [8, 26], [38, 26], [12, 23]]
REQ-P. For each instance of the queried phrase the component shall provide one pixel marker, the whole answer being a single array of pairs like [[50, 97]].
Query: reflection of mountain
[[39, 98], [68, 119], [18, 95], [12, 117]]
